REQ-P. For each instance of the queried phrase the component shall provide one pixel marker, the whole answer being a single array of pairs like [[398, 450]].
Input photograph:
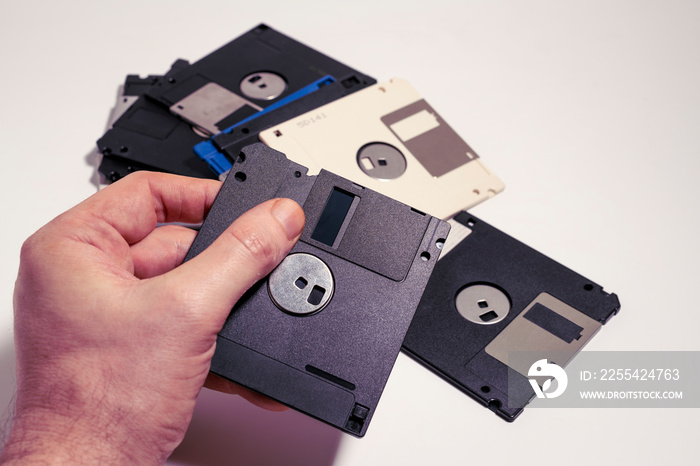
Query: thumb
[[250, 248]]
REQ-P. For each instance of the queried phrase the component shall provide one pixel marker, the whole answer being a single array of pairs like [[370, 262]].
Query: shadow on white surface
[[93, 159], [227, 430]]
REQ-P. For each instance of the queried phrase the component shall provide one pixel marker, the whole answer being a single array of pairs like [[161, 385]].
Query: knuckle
[[137, 177], [255, 243], [183, 297], [31, 248], [28, 247]]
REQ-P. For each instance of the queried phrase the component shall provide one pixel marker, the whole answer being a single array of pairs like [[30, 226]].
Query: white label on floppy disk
[[423, 162], [415, 125]]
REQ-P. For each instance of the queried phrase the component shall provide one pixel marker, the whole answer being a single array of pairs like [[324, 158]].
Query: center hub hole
[[488, 317], [301, 283], [316, 295]]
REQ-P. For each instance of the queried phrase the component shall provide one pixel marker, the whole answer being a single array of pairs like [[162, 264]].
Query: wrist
[[43, 436], [71, 420]]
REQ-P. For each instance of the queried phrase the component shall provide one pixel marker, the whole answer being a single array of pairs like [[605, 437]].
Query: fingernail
[[290, 215]]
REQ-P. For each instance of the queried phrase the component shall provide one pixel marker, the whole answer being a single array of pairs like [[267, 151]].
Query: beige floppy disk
[[387, 138]]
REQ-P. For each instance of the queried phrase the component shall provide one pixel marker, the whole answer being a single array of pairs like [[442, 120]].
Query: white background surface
[[588, 111]]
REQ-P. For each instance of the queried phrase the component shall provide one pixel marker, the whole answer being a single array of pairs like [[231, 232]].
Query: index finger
[[135, 204]]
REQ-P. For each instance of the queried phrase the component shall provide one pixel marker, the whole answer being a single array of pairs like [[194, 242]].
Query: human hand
[[113, 337]]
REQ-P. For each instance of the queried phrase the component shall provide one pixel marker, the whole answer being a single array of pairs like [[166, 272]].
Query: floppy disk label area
[[546, 329], [429, 138]]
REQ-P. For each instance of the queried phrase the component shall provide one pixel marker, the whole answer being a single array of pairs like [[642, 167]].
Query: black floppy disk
[[493, 307], [321, 333], [146, 137], [259, 73]]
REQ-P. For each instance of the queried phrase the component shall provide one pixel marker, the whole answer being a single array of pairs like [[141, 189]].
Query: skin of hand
[[113, 335]]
